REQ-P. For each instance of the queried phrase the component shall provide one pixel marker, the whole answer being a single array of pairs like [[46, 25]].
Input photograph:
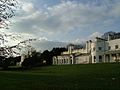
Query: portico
[[112, 56]]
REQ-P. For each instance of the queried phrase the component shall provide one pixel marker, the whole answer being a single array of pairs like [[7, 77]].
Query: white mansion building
[[98, 51]]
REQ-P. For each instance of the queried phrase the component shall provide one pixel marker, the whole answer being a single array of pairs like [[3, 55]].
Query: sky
[[65, 20]]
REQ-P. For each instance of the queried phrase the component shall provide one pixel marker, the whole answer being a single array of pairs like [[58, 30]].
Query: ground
[[66, 77]]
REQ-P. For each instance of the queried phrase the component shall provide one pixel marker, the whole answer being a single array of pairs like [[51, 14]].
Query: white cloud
[[90, 37], [115, 12], [94, 35], [28, 8], [43, 39], [42, 45], [63, 17], [58, 20], [80, 41]]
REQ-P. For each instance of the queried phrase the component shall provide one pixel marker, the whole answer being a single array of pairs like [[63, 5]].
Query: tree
[[45, 58], [57, 51], [7, 11], [48, 55], [33, 60], [106, 35], [8, 53]]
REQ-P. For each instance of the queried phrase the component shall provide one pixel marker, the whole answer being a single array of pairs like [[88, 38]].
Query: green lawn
[[67, 77]]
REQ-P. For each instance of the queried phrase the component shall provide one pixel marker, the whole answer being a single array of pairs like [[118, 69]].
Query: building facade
[[98, 51]]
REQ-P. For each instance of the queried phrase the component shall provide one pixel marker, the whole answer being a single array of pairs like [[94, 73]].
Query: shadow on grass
[[15, 69], [20, 68]]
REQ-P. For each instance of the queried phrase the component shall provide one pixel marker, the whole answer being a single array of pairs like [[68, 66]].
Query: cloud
[[42, 45], [57, 21], [52, 21], [115, 12], [28, 8], [90, 37], [64, 16], [94, 35]]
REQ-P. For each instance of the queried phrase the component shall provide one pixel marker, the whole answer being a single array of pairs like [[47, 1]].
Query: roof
[[112, 52]]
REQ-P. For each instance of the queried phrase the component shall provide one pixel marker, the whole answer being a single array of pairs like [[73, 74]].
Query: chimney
[[109, 38], [87, 46]]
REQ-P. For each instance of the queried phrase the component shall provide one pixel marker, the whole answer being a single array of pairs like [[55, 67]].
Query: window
[[94, 49], [116, 46], [99, 48], [94, 58], [100, 58], [65, 61], [62, 60], [109, 47]]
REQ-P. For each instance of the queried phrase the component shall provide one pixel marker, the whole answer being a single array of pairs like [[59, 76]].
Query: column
[[53, 61], [56, 62], [111, 59], [72, 59], [59, 61], [117, 55], [104, 58]]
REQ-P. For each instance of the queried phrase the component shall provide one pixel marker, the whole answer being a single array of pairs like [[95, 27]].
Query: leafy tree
[[45, 56], [33, 60], [48, 55], [105, 35], [57, 51]]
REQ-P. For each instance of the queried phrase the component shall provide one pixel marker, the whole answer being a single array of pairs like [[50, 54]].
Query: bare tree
[[7, 11], [12, 51], [15, 49]]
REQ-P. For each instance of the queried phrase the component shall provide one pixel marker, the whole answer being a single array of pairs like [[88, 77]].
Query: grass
[[66, 77]]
